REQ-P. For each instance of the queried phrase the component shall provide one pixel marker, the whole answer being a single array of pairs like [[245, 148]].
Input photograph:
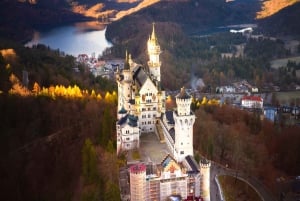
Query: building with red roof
[[252, 102]]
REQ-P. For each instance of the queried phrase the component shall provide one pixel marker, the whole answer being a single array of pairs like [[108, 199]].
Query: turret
[[205, 179], [138, 182], [126, 84], [183, 101], [154, 52], [122, 113], [184, 121]]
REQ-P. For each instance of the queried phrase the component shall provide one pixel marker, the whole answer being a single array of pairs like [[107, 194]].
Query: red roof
[[253, 98], [192, 198], [137, 168]]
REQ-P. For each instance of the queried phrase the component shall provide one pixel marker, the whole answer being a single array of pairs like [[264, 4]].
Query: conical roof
[[122, 111], [183, 94]]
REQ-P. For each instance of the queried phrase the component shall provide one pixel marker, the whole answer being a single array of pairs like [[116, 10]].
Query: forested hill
[[193, 15], [18, 19], [285, 22], [50, 130]]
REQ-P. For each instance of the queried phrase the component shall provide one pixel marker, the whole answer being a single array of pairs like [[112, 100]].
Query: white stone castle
[[141, 102], [141, 109]]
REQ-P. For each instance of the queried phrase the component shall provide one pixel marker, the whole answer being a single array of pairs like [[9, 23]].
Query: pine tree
[[89, 162]]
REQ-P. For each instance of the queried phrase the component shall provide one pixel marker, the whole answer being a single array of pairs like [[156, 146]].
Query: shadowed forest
[[57, 142], [242, 140]]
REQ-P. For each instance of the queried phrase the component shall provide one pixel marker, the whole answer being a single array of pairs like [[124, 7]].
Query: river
[[74, 39]]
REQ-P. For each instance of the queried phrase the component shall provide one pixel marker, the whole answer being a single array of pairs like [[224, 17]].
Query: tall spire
[[126, 63], [153, 37], [154, 52]]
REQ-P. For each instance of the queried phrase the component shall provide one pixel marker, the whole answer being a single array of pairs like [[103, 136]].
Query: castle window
[[182, 152], [149, 115], [127, 138]]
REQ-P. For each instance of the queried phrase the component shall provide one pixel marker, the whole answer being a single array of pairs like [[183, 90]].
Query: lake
[[78, 38]]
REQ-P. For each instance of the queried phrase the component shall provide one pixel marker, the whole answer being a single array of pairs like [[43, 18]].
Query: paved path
[[217, 169]]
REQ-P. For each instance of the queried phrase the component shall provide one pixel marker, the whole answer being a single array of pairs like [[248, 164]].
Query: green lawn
[[277, 63], [237, 190]]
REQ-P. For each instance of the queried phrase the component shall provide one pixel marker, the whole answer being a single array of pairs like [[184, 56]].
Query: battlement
[[138, 169], [204, 163]]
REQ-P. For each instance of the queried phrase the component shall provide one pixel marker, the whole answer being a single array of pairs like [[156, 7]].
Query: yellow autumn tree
[[204, 101], [99, 97], [51, 91], [17, 87], [93, 94], [115, 96], [108, 97], [36, 88]]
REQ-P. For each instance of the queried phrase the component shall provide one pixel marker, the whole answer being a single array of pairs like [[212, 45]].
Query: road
[[217, 169]]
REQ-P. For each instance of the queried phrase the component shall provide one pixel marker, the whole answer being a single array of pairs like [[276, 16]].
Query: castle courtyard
[[151, 149]]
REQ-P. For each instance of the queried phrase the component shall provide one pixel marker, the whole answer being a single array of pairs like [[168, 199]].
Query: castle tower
[[124, 86], [154, 52], [184, 121], [205, 179], [138, 182]]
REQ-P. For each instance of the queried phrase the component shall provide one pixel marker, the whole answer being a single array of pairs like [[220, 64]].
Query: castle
[[142, 110], [141, 102]]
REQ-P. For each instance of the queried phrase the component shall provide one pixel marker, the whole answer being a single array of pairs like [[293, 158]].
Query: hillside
[[185, 54], [285, 22], [48, 129], [19, 19], [271, 7], [195, 16]]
